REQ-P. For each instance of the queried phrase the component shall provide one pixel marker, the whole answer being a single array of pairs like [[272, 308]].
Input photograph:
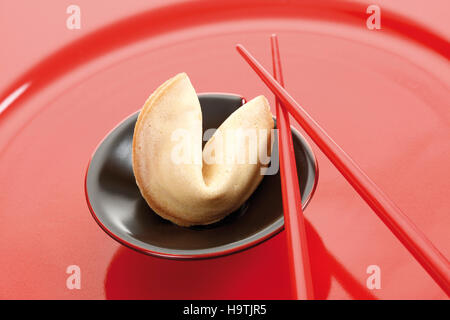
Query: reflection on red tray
[[347, 76]]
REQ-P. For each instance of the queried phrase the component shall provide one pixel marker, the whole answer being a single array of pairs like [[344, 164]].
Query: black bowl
[[118, 207]]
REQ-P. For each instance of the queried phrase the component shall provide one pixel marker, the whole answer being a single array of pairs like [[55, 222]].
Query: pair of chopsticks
[[431, 259]]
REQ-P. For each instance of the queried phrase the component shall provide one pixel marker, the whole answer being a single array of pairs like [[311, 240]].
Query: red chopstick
[[300, 269], [431, 259]]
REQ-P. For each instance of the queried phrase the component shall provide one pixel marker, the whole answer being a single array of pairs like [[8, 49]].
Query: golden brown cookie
[[180, 181]]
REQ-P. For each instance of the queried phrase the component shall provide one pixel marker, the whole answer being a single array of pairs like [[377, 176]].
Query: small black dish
[[118, 207]]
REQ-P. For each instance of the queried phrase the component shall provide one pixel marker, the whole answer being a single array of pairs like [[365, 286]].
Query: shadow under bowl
[[118, 207]]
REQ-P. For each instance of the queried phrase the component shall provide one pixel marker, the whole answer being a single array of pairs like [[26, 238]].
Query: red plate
[[382, 94]]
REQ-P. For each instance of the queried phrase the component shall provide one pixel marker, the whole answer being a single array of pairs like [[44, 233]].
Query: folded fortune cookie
[[169, 164]]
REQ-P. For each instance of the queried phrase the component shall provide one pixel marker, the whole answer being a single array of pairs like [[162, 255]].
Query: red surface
[[401, 226], [297, 241], [348, 78]]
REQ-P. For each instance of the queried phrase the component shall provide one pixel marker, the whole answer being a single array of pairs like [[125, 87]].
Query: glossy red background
[[387, 107]]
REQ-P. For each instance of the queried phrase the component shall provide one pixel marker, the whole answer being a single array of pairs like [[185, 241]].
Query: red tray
[[348, 77]]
